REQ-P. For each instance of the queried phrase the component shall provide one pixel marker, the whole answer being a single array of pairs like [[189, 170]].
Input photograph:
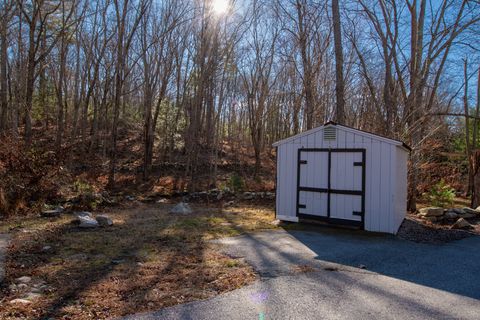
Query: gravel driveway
[[355, 276]]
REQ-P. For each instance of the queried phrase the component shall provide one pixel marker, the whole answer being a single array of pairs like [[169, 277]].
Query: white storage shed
[[341, 175]]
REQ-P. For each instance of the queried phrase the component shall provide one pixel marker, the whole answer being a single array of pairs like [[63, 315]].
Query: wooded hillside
[[190, 94]]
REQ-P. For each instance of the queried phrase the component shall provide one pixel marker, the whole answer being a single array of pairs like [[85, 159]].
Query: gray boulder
[[87, 222], [53, 213], [24, 279], [269, 195], [457, 210], [461, 224], [248, 196], [181, 208], [83, 214], [229, 203], [104, 221], [431, 212], [450, 214], [469, 213], [431, 218]]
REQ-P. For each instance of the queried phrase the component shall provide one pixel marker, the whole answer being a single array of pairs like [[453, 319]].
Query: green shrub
[[236, 183], [441, 194], [82, 187]]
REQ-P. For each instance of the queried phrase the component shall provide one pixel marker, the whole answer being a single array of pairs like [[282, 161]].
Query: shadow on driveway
[[453, 267]]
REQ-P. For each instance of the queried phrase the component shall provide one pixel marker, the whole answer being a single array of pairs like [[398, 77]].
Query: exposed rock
[[32, 296], [118, 261], [53, 213], [269, 195], [22, 286], [40, 289], [457, 210], [12, 287], [248, 196], [229, 203], [467, 215], [20, 301], [469, 210], [181, 208], [87, 222], [431, 212], [431, 218], [461, 224], [83, 214], [276, 222], [24, 279], [104, 221], [450, 214]]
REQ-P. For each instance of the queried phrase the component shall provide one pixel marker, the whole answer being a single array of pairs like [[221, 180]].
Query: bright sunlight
[[220, 6]]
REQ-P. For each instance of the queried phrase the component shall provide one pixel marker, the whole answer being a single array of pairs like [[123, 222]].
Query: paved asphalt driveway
[[402, 280]]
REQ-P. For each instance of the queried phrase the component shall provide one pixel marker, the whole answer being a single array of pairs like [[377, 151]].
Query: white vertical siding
[[400, 193], [385, 180]]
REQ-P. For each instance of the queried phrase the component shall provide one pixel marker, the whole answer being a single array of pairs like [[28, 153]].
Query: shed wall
[[400, 188], [381, 158]]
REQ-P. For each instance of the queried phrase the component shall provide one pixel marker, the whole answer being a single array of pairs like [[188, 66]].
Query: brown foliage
[[27, 178]]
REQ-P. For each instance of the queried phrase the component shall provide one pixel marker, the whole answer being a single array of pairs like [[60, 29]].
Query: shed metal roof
[[346, 128]]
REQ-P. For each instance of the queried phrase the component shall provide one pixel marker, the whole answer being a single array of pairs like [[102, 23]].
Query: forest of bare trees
[[193, 74]]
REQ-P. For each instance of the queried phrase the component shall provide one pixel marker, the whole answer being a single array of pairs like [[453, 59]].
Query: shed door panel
[[346, 171], [314, 169], [330, 185], [345, 206], [313, 203]]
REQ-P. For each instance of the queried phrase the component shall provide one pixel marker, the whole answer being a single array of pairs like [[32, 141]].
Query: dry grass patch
[[148, 260]]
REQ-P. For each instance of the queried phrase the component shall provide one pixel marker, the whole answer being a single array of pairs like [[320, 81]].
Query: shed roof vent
[[330, 133]]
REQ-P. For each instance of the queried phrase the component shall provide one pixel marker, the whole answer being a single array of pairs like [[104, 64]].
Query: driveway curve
[[337, 274]]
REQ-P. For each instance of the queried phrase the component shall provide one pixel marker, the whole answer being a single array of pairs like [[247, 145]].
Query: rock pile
[[226, 193], [436, 214], [85, 219], [27, 289]]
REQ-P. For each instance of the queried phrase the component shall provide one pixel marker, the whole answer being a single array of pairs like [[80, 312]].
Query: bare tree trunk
[[476, 179], [308, 84], [474, 157], [3, 74], [340, 84], [29, 86], [60, 94]]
